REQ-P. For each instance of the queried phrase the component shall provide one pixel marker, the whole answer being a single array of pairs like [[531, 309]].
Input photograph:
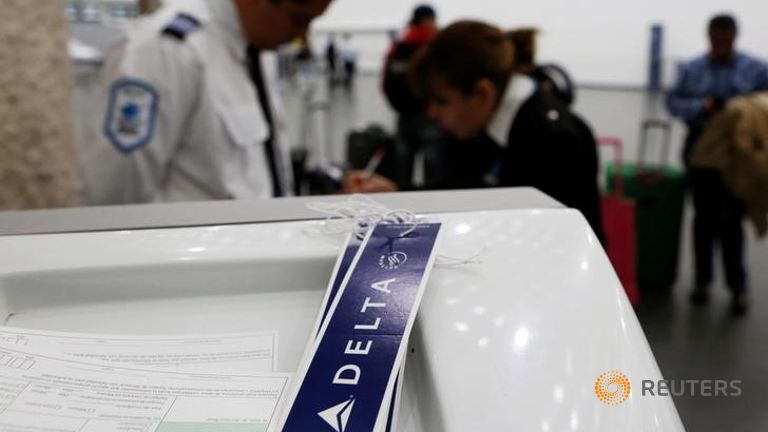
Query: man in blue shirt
[[704, 86]]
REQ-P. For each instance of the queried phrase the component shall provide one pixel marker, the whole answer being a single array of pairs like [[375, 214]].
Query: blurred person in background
[[549, 77], [191, 110], [704, 86], [348, 57], [332, 59], [417, 132], [305, 58], [513, 133]]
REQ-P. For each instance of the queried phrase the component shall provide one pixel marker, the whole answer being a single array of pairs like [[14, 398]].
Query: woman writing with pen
[[509, 132]]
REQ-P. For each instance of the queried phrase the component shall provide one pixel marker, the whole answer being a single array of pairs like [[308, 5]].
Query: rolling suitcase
[[659, 195], [619, 227]]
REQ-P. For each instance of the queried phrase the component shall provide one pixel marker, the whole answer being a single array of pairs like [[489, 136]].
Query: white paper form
[[243, 353], [39, 393]]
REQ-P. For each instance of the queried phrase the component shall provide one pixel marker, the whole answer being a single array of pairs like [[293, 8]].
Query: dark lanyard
[[270, 146]]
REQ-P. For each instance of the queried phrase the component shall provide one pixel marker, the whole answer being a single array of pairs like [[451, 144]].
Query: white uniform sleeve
[[149, 89]]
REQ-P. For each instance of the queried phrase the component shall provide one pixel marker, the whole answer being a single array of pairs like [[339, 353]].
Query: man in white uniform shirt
[[190, 105]]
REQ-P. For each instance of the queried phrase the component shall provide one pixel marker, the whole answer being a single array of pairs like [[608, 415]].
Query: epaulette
[[181, 26]]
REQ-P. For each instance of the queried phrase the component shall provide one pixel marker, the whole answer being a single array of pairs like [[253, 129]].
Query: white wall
[[600, 41]]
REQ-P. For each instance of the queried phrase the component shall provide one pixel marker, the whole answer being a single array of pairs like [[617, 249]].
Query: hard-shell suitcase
[[659, 195], [619, 227]]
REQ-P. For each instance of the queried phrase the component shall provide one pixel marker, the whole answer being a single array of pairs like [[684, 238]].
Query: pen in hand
[[366, 180], [373, 164]]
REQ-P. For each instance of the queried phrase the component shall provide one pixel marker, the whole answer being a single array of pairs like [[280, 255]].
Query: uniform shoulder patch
[[181, 26], [131, 114]]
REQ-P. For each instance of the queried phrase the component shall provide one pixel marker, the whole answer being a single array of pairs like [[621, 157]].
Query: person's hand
[[712, 105], [708, 105], [360, 182]]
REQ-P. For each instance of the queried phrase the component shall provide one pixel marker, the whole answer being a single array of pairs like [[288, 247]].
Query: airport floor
[[707, 343], [689, 343]]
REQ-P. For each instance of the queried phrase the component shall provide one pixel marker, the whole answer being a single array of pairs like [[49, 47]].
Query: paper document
[[241, 353], [40, 393]]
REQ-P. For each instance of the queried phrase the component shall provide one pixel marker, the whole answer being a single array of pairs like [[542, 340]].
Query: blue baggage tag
[[337, 277], [357, 356], [343, 265]]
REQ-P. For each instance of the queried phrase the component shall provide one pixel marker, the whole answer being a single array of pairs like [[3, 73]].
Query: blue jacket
[[701, 79]]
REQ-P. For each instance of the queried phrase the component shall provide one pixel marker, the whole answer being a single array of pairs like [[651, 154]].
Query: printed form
[[42, 393], [242, 353], [70, 382]]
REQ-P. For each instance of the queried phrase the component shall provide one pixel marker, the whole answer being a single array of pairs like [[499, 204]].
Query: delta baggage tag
[[347, 382], [337, 277]]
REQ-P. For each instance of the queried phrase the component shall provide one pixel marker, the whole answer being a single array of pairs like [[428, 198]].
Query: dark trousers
[[718, 219], [350, 70]]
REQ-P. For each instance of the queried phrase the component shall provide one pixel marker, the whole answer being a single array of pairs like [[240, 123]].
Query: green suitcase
[[659, 195]]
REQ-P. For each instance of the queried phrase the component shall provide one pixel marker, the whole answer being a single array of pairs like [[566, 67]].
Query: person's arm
[[148, 92], [385, 68], [684, 105], [361, 182], [762, 80]]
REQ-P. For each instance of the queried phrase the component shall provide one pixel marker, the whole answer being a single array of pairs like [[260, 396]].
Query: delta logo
[[337, 416]]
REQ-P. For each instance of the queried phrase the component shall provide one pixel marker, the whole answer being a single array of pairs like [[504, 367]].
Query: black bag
[[553, 78], [397, 88], [363, 144]]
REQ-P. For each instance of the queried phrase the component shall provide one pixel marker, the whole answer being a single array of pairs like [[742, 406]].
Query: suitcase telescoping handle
[[618, 159], [647, 126]]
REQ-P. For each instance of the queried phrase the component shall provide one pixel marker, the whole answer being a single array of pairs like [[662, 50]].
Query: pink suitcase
[[619, 228]]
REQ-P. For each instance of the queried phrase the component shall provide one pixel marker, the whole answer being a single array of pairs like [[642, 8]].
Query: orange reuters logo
[[613, 387]]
